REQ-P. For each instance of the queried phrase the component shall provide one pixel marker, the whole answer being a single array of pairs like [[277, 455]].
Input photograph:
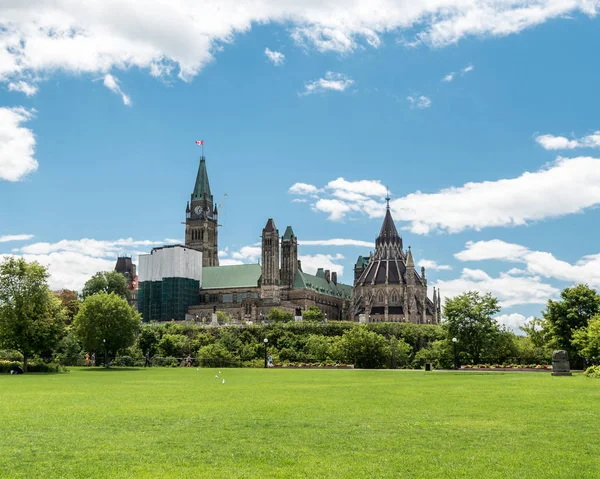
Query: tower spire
[[387, 199]]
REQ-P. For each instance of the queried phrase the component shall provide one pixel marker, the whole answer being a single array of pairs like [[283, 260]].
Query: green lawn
[[184, 423]]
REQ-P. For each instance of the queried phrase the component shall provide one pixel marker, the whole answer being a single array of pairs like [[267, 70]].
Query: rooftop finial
[[387, 198]]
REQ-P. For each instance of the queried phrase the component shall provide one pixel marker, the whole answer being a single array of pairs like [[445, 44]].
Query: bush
[[127, 361], [592, 372], [35, 366], [215, 355], [173, 345], [438, 353], [68, 351], [363, 348], [168, 362], [255, 363]]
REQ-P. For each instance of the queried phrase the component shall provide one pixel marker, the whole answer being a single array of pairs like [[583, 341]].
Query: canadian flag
[[200, 142]]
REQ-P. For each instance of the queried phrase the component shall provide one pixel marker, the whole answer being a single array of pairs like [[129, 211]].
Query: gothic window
[[394, 297], [380, 298], [202, 235]]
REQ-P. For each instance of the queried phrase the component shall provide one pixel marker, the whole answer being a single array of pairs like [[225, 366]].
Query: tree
[[587, 340], [106, 282], [399, 352], [576, 307], [468, 318], [313, 314], [31, 317], [106, 322], [364, 348], [70, 301], [535, 329], [148, 339], [277, 315]]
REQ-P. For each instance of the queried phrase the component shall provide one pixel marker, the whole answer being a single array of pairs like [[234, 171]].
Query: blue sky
[[481, 121]]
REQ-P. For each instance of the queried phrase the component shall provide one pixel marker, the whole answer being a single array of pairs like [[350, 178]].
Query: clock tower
[[201, 219]]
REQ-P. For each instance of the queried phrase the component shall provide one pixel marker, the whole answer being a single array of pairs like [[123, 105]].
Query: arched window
[[394, 297], [380, 297]]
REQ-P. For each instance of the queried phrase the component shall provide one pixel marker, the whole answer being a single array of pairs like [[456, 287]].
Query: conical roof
[[270, 226], [202, 186]]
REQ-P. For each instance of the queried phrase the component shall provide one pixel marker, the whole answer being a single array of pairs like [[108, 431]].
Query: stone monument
[[560, 363]]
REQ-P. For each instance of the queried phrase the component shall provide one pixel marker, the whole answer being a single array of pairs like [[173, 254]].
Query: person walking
[[147, 363], [87, 359], [93, 359]]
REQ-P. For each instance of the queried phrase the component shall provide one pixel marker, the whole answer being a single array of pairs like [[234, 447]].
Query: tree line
[[61, 326]]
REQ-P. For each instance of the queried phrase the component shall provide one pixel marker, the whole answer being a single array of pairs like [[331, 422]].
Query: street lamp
[[454, 344], [265, 341], [325, 318], [105, 354]]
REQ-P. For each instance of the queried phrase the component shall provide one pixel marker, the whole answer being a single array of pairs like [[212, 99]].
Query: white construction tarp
[[171, 262]]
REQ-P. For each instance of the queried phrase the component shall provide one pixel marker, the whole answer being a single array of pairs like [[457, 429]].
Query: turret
[[289, 258], [270, 262]]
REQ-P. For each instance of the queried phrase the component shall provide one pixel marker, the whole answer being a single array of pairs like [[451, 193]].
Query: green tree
[[536, 330], [68, 350], [468, 318], [176, 345], [70, 301], [277, 315], [587, 340], [215, 355], [106, 282], [319, 347], [223, 317], [31, 316], [399, 353], [106, 323], [148, 339], [576, 307], [438, 353], [313, 314], [363, 348]]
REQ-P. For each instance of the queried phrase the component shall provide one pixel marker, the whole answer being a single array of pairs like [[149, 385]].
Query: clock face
[[198, 210]]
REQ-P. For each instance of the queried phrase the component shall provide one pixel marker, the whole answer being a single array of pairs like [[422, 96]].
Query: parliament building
[[386, 285]]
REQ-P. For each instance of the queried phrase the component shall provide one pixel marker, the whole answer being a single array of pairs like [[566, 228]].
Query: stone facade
[[386, 285], [126, 267]]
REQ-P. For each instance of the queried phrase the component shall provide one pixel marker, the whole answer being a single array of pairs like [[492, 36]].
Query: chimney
[[334, 277], [327, 276], [299, 265]]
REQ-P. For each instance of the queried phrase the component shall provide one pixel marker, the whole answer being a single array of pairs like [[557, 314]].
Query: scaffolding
[[167, 299]]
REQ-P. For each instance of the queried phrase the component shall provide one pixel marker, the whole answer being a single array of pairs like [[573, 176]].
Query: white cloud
[[7, 238], [303, 189], [311, 263], [72, 262], [112, 84], [331, 82], [174, 241], [17, 144], [276, 58], [550, 142], [467, 69], [23, 87], [510, 290], [449, 77], [585, 270], [247, 254], [513, 321], [337, 242], [229, 262], [87, 36], [566, 186], [299, 200], [420, 102], [430, 264]]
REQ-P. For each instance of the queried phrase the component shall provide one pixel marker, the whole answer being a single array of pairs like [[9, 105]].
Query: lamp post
[[454, 344], [325, 318], [105, 354], [265, 341]]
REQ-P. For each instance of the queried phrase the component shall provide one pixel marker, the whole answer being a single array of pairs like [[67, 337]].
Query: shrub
[[592, 372], [35, 366], [364, 348], [169, 362], [215, 355], [173, 345]]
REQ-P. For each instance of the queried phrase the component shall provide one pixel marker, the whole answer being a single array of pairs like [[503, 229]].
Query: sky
[[480, 118]]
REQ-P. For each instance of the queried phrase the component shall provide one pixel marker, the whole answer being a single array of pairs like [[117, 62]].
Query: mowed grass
[[184, 423]]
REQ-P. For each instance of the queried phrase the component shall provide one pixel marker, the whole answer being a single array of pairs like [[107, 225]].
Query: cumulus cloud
[[303, 189], [331, 82], [449, 77], [23, 87], [510, 290], [550, 142], [513, 321], [17, 144], [7, 238], [72, 262], [420, 102], [311, 263], [430, 264], [112, 84], [538, 263], [276, 58], [88, 36]]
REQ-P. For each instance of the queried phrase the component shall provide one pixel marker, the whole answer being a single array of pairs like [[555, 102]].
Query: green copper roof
[[235, 276], [289, 233], [320, 285], [362, 262], [202, 185]]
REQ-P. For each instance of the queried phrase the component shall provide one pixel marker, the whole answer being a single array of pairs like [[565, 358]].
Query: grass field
[[183, 423]]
